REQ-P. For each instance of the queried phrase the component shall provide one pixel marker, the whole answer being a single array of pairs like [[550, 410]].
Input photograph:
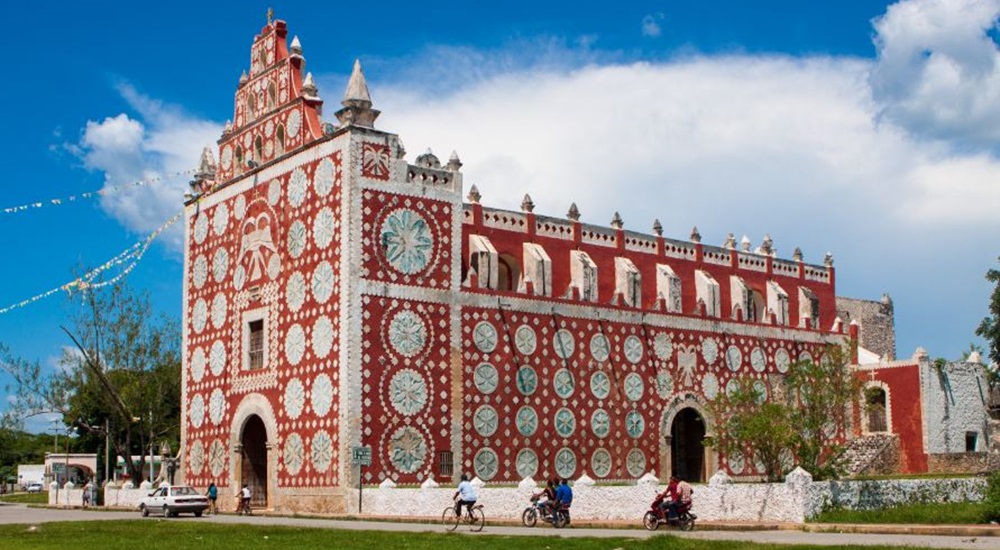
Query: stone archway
[[253, 438], [683, 451]]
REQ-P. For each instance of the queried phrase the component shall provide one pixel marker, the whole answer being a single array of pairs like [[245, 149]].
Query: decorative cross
[[270, 15]]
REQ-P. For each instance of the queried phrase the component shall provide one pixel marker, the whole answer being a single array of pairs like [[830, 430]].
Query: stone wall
[[955, 403], [877, 321], [962, 463], [879, 494]]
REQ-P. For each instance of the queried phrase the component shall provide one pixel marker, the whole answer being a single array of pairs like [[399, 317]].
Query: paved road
[[16, 513]]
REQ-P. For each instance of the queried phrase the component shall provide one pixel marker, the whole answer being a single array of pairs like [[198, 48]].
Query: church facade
[[338, 296]]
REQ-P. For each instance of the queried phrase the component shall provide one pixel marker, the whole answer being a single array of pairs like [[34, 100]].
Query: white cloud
[[938, 69], [160, 142], [651, 26]]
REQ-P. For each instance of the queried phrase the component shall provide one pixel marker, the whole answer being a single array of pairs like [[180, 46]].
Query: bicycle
[[475, 518]]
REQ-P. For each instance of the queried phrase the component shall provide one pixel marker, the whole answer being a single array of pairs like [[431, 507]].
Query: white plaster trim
[[888, 406]]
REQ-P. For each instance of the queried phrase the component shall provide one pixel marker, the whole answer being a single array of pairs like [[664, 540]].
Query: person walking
[[213, 495]]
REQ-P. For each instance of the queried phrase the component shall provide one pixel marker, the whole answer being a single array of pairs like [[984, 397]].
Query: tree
[[989, 328], [122, 372], [803, 422]]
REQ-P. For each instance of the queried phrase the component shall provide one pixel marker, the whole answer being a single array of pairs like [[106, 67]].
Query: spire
[[357, 101], [296, 46], [657, 227], [617, 222], [454, 163], [309, 90], [730, 242], [695, 235], [797, 254], [574, 212], [206, 167], [474, 195], [745, 244], [527, 205]]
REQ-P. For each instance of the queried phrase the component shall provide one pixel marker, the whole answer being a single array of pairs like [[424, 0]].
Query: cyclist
[[466, 494], [245, 495]]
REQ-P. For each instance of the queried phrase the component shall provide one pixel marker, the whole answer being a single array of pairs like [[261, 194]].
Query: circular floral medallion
[[293, 454], [485, 420], [634, 424], [217, 457], [198, 361], [294, 123], [296, 239], [295, 398], [806, 356], [196, 411], [782, 360], [322, 395], [295, 291], [600, 463], [197, 460], [527, 421], [220, 264], [524, 340], [757, 359], [565, 463], [217, 358], [635, 463], [663, 346], [323, 228], [323, 280], [226, 156], [219, 310], [563, 343], [486, 464], [240, 207], [298, 184], [634, 387], [565, 422], [322, 452], [295, 344], [201, 228], [273, 266], [761, 390], [486, 378], [736, 463], [220, 220], [563, 383], [408, 392], [485, 337], [734, 358], [407, 241], [600, 385], [199, 315], [200, 271], [710, 386], [664, 385], [527, 463], [600, 423], [216, 406], [732, 387], [527, 380], [600, 348], [274, 192], [709, 350], [633, 349], [323, 180], [239, 277], [407, 333], [322, 336]]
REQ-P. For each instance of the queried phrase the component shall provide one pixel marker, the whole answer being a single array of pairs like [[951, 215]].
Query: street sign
[[58, 468], [361, 456]]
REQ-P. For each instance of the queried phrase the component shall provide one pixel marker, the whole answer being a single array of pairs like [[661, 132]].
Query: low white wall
[[126, 496], [878, 494]]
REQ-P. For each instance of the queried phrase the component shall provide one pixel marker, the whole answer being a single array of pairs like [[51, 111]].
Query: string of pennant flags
[[129, 256], [93, 194]]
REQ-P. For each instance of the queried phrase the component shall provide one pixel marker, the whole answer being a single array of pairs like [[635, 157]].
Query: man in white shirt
[[466, 494], [245, 495]]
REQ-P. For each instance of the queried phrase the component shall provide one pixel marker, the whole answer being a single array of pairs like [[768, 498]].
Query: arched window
[[239, 159], [251, 106], [279, 141], [508, 273], [258, 150], [271, 96], [876, 408]]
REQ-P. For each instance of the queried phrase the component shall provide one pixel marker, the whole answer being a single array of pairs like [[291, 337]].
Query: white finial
[[474, 195], [296, 46], [617, 222], [527, 205]]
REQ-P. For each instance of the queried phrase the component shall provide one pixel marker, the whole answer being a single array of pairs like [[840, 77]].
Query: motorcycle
[[657, 516], [543, 511]]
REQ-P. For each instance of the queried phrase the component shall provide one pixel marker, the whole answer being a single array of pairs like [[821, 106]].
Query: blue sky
[[867, 129]]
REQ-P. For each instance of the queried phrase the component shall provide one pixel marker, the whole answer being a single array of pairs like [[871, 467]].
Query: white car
[[34, 487], [173, 500]]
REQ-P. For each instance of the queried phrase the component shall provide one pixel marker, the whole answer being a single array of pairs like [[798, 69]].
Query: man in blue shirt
[[466, 494], [564, 497]]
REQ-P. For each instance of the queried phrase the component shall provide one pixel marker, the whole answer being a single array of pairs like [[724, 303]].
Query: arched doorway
[[875, 399], [687, 452], [253, 459]]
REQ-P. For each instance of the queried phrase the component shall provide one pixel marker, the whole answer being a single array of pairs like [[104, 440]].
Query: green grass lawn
[[154, 534], [934, 514], [27, 498]]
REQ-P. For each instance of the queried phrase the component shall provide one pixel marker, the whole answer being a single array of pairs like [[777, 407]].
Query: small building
[[76, 467], [30, 473]]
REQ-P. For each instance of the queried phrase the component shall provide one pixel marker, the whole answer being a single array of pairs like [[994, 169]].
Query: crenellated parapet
[[504, 252]]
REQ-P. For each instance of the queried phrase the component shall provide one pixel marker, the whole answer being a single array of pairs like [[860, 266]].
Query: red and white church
[[337, 296]]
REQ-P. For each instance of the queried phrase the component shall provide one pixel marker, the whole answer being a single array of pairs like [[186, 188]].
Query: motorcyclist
[[564, 497], [679, 493], [549, 493]]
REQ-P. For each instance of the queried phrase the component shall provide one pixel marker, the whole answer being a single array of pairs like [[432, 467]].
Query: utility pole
[[107, 450]]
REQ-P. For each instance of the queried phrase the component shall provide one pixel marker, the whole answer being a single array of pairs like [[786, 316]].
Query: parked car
[[173, 500], [34, 487]]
